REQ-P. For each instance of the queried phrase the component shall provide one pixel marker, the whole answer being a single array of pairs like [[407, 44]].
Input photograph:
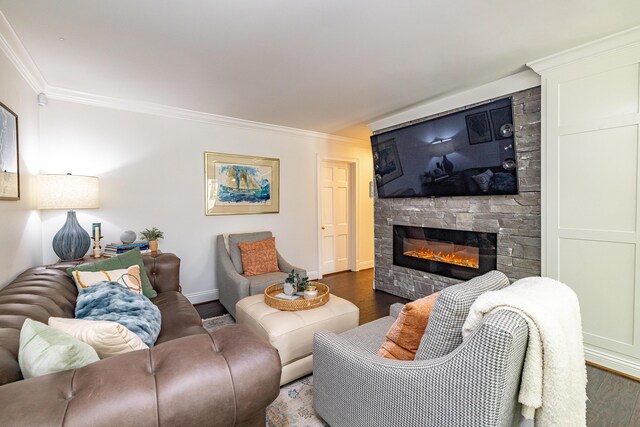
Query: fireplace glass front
[[453, 253]]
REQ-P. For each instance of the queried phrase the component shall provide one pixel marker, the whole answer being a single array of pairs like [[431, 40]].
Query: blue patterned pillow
[[112, 301]]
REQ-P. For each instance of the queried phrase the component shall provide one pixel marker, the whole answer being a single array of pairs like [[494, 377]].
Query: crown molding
[[621, 40], [16, 52], [69, 95], [504, 86], [11, 45]]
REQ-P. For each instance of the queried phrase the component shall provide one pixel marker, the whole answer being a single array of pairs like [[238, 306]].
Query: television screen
[[466, 153]]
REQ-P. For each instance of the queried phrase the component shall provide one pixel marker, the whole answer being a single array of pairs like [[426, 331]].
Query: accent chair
[[232, 285]]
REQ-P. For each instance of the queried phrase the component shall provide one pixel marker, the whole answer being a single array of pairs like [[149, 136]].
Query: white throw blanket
[[554, 376]]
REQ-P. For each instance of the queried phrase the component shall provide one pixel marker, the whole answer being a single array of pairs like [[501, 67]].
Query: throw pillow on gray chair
[[232, 284]]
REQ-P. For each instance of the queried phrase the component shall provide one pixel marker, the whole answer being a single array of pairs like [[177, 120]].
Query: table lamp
[[68, 191]]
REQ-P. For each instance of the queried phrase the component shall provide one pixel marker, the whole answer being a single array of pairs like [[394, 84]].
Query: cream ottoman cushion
[[291, 332]]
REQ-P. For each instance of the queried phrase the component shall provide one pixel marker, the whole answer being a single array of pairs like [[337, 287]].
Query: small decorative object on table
[[152, 237], [310, 292], [96, 235], [271, 298], [128, 236]]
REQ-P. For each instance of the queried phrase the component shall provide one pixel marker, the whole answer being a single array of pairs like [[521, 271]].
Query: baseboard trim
[[612, 363], [364, 265], [204, 296], [313, 275]]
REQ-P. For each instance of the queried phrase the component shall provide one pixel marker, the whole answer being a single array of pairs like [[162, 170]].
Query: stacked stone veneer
[[515, 218]]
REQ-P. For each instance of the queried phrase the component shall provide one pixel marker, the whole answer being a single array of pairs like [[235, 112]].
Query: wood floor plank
[[614, 402]]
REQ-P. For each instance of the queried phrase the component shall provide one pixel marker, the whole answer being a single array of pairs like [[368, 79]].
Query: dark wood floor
[[613, 400]]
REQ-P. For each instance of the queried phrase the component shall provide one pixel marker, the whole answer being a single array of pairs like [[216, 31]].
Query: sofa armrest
[[285, 267], [224, 378], [476, 384], [163, 270]]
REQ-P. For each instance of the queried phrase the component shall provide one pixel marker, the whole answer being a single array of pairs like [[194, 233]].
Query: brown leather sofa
[[189, 378]]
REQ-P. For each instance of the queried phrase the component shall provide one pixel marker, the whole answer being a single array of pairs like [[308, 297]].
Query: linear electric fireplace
[[452, 253]]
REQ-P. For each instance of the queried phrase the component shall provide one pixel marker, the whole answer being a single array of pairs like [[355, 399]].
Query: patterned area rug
[[294, 405]]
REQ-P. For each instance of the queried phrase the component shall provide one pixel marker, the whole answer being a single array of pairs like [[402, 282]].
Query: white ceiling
[[325, 65]]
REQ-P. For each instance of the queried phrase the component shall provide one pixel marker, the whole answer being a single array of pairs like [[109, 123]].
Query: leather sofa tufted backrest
[[42, 292], [38, 293]]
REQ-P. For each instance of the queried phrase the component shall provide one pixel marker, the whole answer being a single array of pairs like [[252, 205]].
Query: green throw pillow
[[44, 350], [125, 260]]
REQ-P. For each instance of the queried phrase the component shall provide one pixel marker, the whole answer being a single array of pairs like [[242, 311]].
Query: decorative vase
[[128, 236], [447, 165], [71, 242], [153, 245], [289, 288]]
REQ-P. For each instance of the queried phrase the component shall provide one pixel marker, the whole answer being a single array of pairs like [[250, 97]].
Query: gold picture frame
[[237, 185], [9, 155]]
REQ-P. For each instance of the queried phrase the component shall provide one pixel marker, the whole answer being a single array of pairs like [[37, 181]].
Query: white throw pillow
[[129, 277], [106, 337]]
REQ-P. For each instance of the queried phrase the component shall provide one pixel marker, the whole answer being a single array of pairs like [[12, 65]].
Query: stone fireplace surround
[[515, 218]]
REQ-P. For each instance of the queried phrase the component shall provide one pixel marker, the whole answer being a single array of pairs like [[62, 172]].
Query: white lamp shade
[[68, 192]]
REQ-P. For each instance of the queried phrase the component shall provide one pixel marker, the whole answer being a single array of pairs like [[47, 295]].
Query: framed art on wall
[[236, 184], [478, 127], [386, 161], [9, 160]]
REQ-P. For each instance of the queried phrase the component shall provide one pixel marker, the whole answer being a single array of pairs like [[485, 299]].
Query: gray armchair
[[451, 383], [232, 285]]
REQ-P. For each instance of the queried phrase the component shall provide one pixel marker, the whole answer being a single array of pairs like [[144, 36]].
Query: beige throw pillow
[[129, 277], [107, 338]]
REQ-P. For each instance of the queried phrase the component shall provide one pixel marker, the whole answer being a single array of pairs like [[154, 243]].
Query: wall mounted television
[[466, 153]]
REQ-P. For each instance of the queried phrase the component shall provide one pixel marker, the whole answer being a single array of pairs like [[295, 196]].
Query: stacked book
[[113, 249]]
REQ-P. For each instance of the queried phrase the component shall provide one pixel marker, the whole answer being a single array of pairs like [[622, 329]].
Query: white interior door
[[334, 217]]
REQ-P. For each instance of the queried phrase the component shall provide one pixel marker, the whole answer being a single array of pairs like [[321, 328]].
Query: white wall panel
[[597, 179], [590, 192], [608, 94], [607, 305]]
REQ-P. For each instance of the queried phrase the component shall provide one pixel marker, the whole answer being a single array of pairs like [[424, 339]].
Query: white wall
[[20, 239], [151, 171]]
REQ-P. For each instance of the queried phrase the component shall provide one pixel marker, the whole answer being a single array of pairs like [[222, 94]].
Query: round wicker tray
[[298, 304]]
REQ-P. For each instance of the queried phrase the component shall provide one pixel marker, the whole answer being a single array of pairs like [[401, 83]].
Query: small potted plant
[[295, 283], [152, 236]]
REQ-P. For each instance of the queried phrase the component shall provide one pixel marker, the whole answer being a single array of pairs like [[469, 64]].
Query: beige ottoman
[[291, 332]]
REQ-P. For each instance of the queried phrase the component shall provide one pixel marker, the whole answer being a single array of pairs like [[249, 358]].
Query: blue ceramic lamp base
[[71, 242]]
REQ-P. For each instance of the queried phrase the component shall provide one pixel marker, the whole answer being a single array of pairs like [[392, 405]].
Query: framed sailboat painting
[[237, 184]]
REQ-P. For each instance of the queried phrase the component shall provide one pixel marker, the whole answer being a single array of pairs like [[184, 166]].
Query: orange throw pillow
[[403, 339], [259, 257]]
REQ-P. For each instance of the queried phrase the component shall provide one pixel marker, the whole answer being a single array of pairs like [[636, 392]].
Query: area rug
[[294, 405]]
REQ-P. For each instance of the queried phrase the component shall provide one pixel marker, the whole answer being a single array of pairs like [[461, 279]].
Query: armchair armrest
[[476, 384], [285, 267], [395, 309], [232, 286], [224, 378]]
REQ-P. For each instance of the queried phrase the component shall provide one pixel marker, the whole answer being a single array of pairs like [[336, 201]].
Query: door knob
[[322, 227]]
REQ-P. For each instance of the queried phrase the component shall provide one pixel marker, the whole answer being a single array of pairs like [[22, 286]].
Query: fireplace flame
[[448, 258]]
